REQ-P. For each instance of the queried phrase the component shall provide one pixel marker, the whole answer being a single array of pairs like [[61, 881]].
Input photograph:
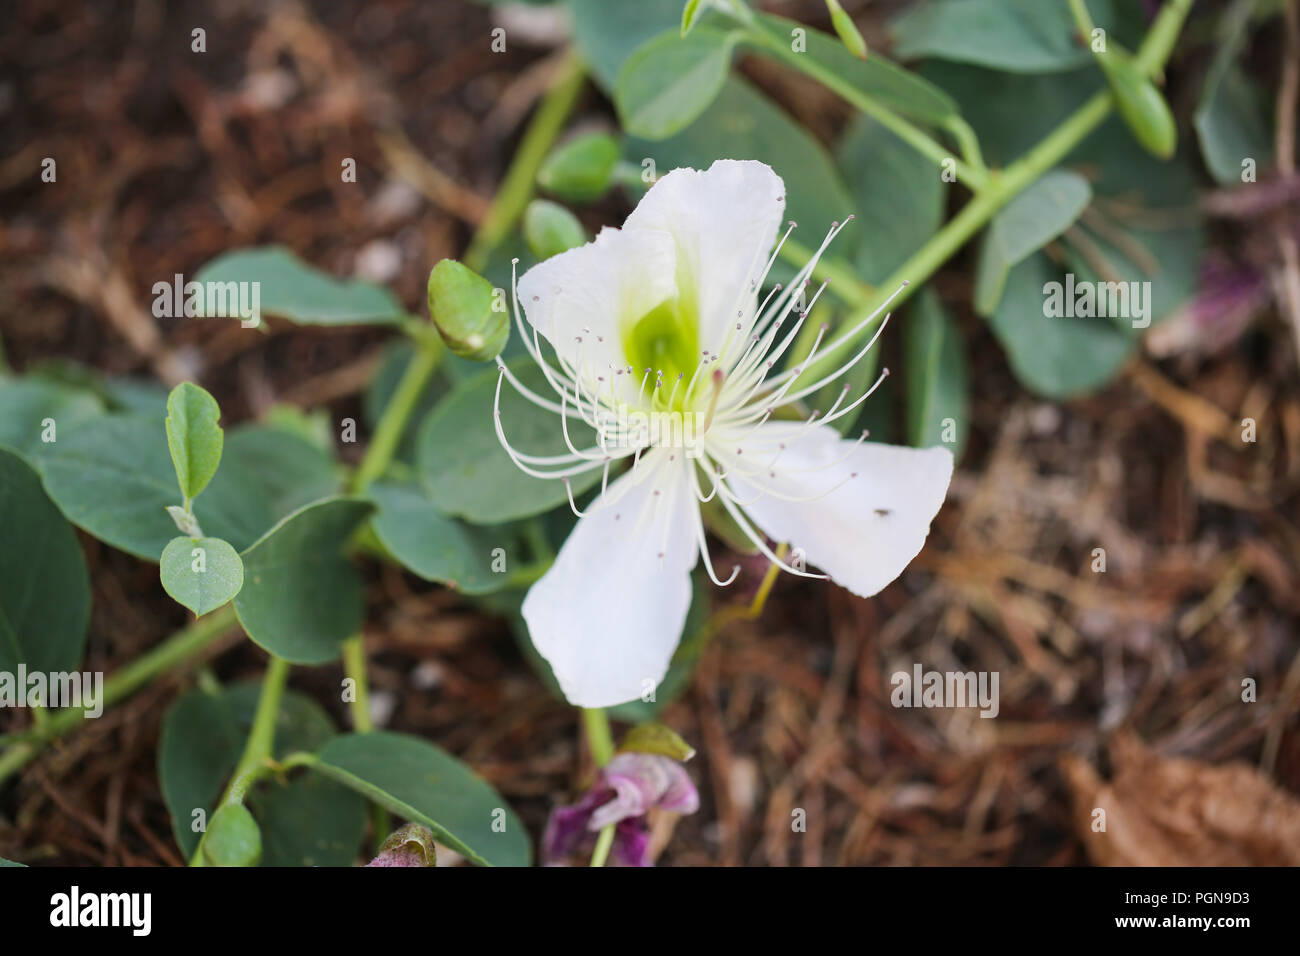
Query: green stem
[[261, 737], [392, 424], [601, 742], [41, 719], [429, 351], [967, 141], [1081, 18], [1003, 186], [517, 188], [177, 649], [599, 737], [354, 663], [255, 761], [603, 843], [972, 175]]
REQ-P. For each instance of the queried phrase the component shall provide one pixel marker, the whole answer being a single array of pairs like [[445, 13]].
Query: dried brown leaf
[[1170, 811]]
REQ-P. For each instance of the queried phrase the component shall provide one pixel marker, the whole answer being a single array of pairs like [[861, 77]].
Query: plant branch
[[517, 187], [601, 743], [178, 649], [1005, 185], [973, 176], [255, 762]]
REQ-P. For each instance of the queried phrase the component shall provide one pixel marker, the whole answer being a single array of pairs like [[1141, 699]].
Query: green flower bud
[[470, 315], [582, 169], [1139, 102], [232, 837], [550, 229], [847, 30]]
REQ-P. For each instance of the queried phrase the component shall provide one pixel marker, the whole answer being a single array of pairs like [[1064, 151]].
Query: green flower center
[[665, 340]]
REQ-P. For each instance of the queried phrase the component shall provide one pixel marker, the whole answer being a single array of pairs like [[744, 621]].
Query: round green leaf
[[201, 573], [1055, 356], [193, 437], [233, 838], [424, 784], [301, 597], [671, 80], [33, 412], [429, 544], [606, 33], [44, 586], [1015, 36], [1027, 223], [465, 470]]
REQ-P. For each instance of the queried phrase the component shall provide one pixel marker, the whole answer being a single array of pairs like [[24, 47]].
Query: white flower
[[661, 345]]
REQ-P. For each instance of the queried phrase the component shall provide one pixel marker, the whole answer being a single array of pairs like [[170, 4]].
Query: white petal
[[724, 221], [609, 613], [863, 533], [588, 292]]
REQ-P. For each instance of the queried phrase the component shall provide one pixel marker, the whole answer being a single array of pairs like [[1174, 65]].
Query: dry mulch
[[166, 159]]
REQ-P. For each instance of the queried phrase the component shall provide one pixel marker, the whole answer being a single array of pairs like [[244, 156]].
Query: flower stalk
[[601, 743]]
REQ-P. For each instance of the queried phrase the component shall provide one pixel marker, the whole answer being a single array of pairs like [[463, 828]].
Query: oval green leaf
[[671, 80], [431, 545], [294, 290], [424, 784], [465, 470], [606, 33], [1058, 356], [301, 597], [898, 199], [201, 573], [1027, 223], [113, 477], [44, 585], [1015, 36], [550, 229], [33, 411], [193, 437]]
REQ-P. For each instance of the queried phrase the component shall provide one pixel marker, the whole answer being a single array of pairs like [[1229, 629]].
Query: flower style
[[624, 792], [662, 346]]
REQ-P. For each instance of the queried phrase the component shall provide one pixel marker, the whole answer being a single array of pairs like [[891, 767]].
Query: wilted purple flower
[[624, 791], [409, 845]]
